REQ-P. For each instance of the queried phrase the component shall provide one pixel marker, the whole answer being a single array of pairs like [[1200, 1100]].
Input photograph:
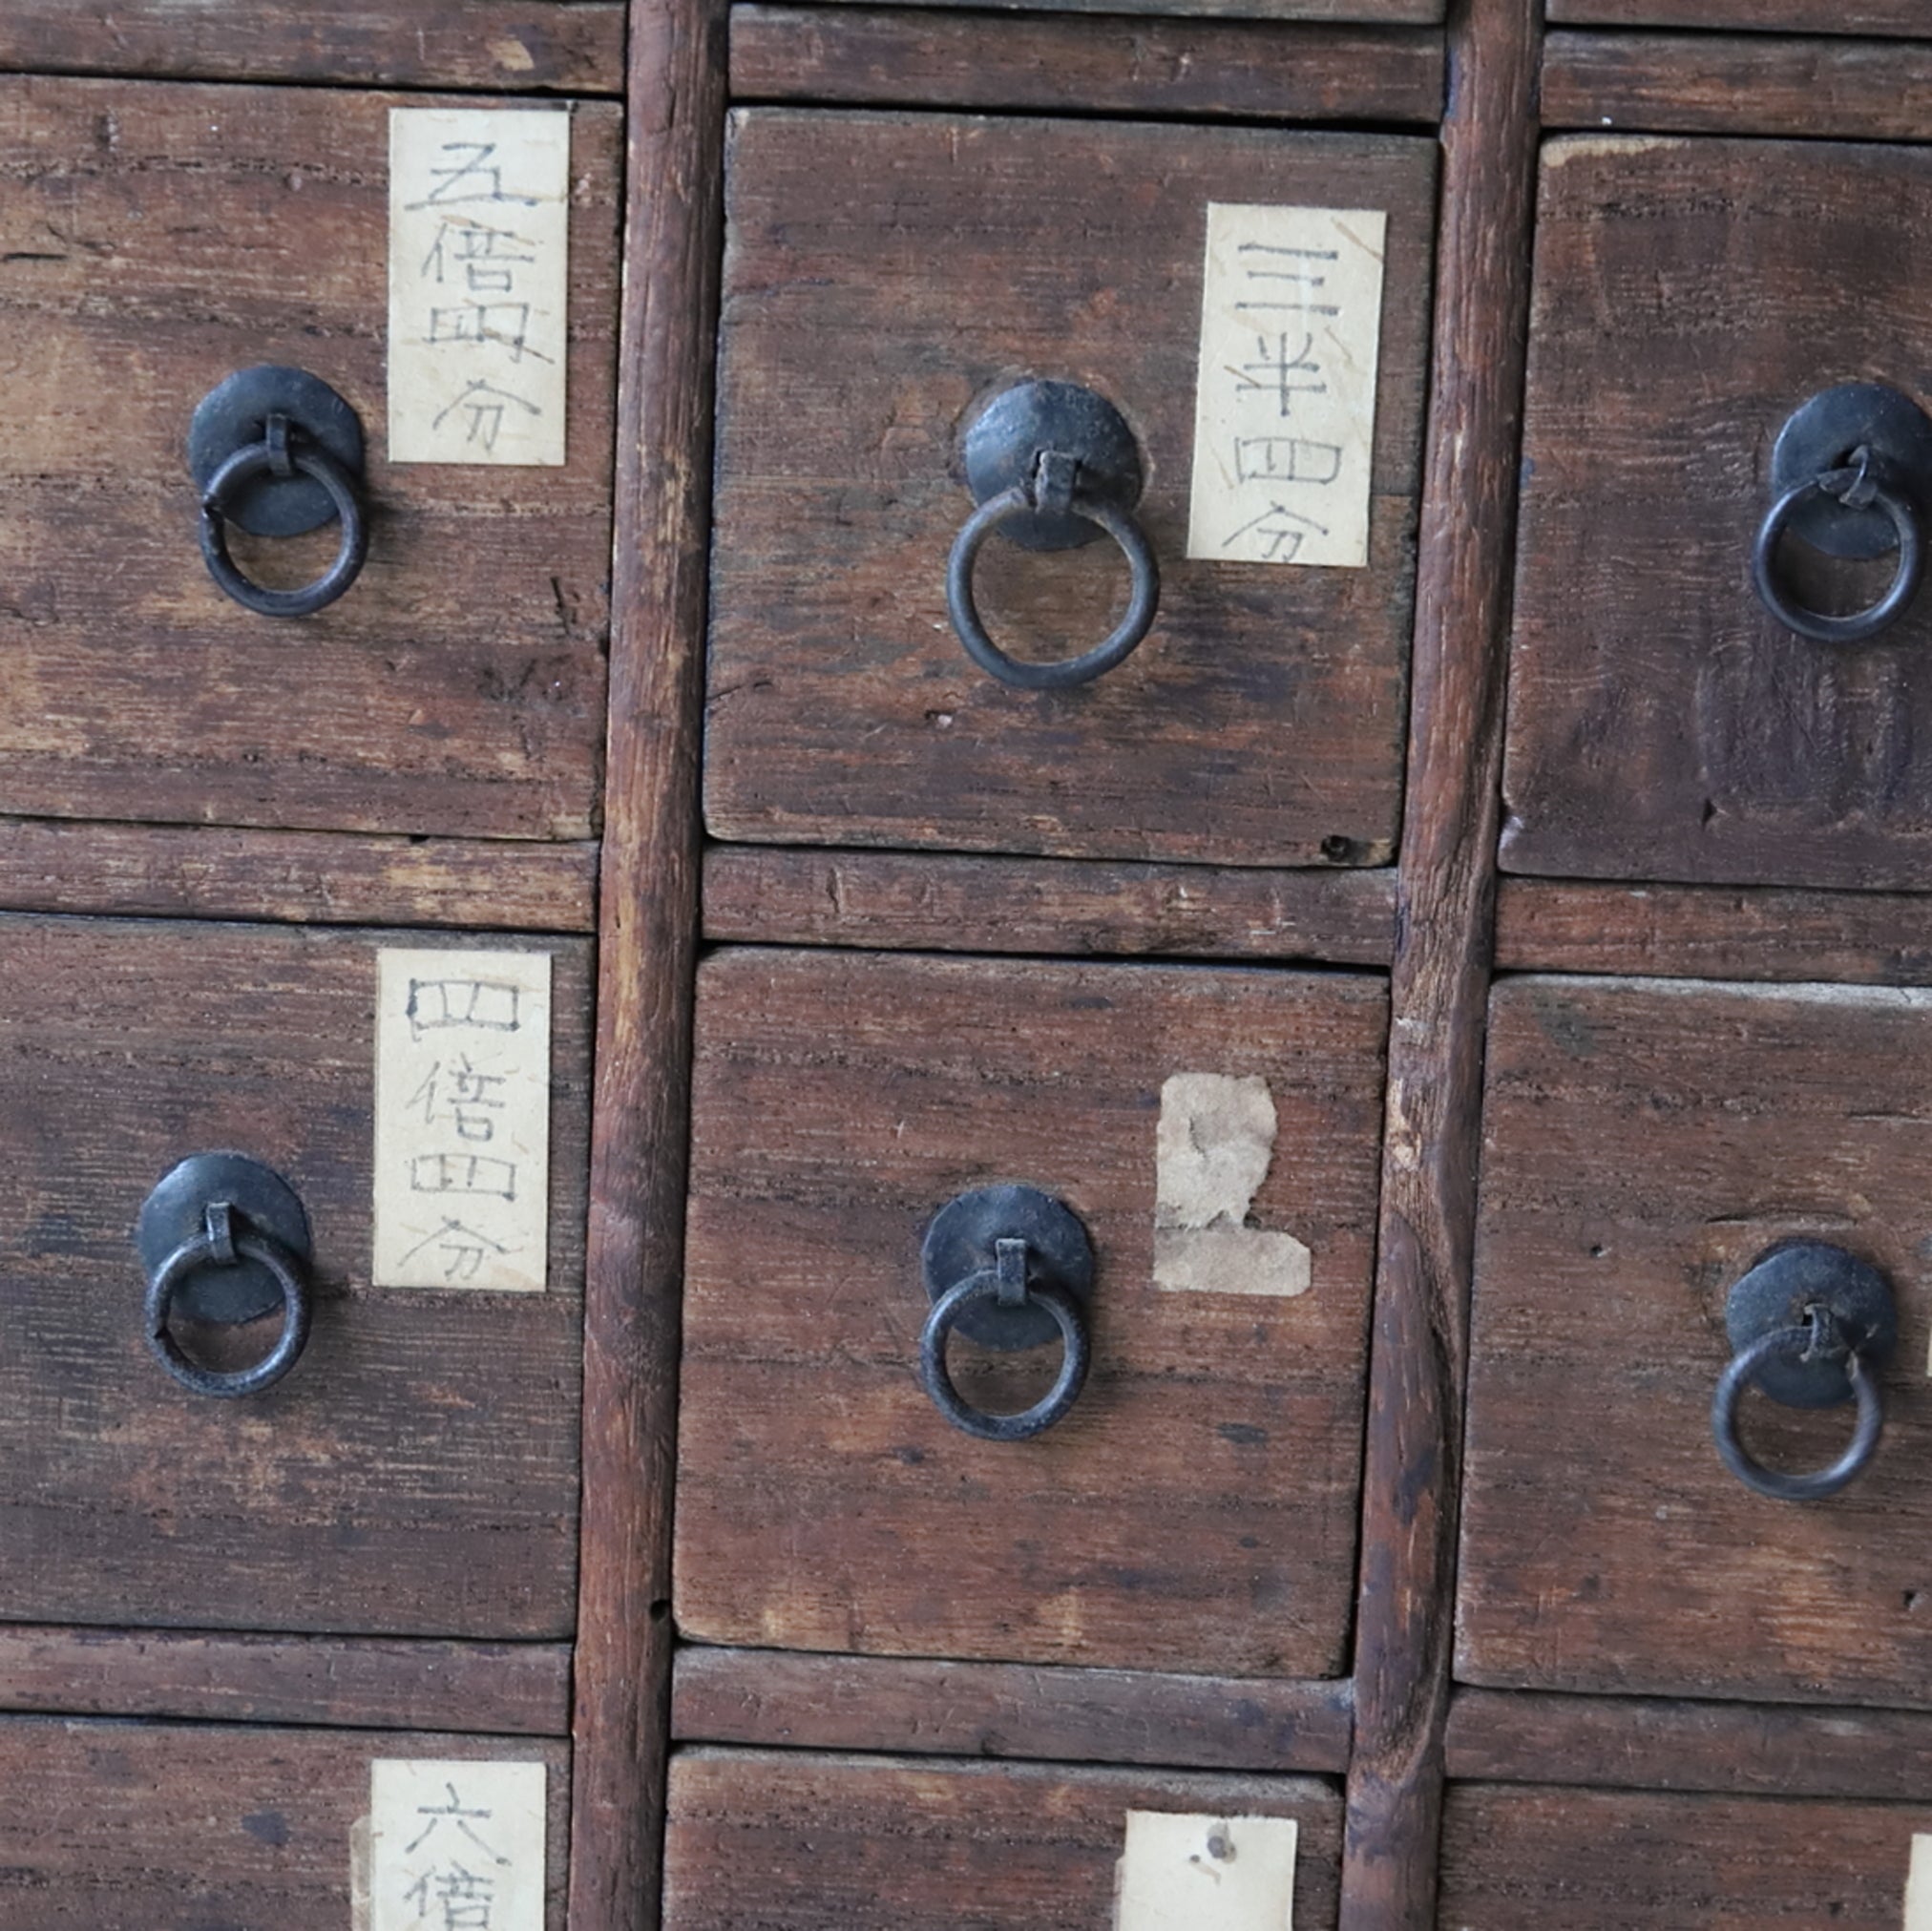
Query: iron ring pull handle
[[1818, 1483], [1863, 482]]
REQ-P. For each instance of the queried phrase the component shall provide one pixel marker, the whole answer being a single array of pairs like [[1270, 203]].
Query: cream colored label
[[1205, 1874], [479, 281], [462, 1160], [1285, 396], [456, 1846], [1918, 1884], [1212, 1150]]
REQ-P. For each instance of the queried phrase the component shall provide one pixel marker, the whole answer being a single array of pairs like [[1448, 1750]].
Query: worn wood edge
[[1440, 978], [1213, 69], [294, 878], [900, 901], [1714, 932], [1654, 1743], [351, 1683], [1737, 83], [647, 932], [1008, 1710]]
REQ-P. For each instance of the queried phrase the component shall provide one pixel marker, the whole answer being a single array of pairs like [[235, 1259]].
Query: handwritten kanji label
[[479, 246], [456, 1846], [462, 1158], [1285, 396], [1185, 1873]]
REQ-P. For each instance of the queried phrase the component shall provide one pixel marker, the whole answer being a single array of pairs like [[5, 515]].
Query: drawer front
[[156, 1827], [157, 239], [1196, 1510], [416, 1473], [885, 278], [1904, 17], [1689, 297], [884, 1844], [1524, 1859], [1644, 1146]]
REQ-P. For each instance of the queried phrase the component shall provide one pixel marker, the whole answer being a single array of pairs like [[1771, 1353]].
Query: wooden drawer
[[885, 277], [1645, 1143], [156, 238], [1196, 1510], [847, 1843], [416, 1471], [1769, 16], [156, 1827], [1689, 296]]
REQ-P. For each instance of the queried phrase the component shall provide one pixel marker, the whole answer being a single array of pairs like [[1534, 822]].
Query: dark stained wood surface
[[1640, 1742], [1737, 83], [1689, 294], [520, 1688], [416, 1473], [556, 46], [1007, 1709], [1196, 1511], [1261, 722], [881, 56], [1412, 1456], [152, 1827], [1379, 12], [155, 237], [1519, 1859], [1645, 1141], [306, 877], [813, 1843], [936, 902], [1765, 16]]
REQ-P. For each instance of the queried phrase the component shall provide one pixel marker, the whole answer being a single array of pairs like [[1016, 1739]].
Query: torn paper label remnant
[[1183, 1873]]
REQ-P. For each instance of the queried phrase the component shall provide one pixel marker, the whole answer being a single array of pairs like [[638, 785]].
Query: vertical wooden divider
[[647, 934], [1405, 1615]]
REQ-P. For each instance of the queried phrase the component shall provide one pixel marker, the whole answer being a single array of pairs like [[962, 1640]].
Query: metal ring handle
[[1753, 1473], [311, 459], [1859, 624], [1051, 1407], [1143, 602], [205, 1250]]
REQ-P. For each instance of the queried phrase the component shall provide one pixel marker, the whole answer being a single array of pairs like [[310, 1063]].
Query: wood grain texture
[[1643, 1142], [1375, 12], [1662, 726], [1639, 1742], [517, 1688], [416, 1473], [1737, 83], [155, 237], [506, 46], [1261, 722], [1196, 1511], [305, 877], [1004, 1710], [811, 1843], [647, 940], [1412, 1452], [1712, 932], [885, 56], [939, 903], [155, 1827], [1517, 1860], [1904, 17]]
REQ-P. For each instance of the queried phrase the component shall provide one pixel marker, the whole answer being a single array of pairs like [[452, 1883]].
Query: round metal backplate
[[960, 1242], [236, 412], [1821, 434], [1006, 440], [1781, 1285], [175, 1213]]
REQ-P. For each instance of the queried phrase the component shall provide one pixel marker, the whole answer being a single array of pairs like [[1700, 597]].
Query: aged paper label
[[1212, 1150], [456, 1846], [1205, 1874], [462, 1160], [1285, 395], [479, 282], [1918, 1884]]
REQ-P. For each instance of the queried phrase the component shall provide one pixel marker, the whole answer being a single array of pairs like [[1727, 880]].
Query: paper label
[[456, 1846], [479, 282], [1918, 1884], [1205, 1874], [1285, 396], [462, 1157]]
